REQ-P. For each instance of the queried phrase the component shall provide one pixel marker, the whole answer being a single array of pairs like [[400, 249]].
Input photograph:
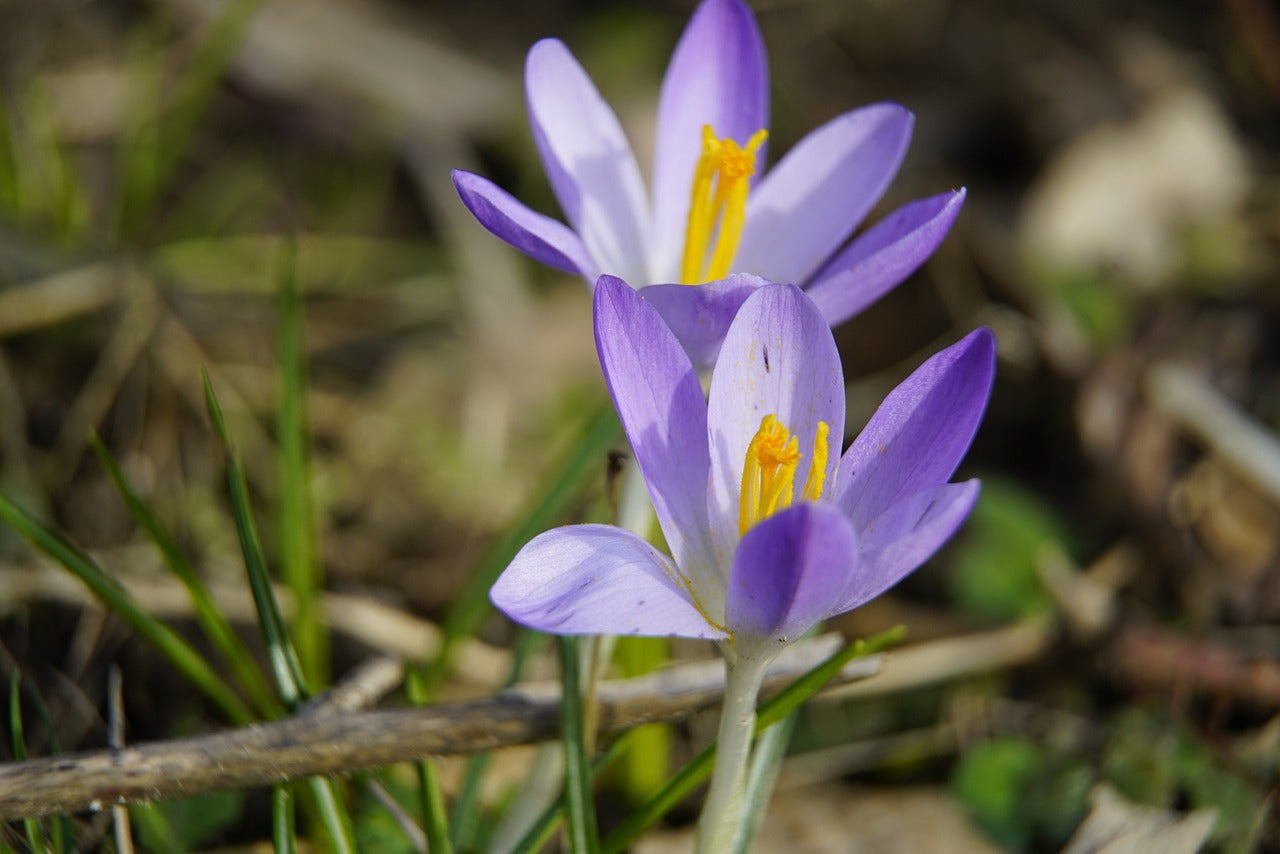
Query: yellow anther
[[730, 167], [769, 471]]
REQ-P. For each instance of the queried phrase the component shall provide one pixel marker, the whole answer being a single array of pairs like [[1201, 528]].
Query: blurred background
[[161, 162]]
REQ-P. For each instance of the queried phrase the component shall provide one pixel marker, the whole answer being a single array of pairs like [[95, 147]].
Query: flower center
[[769, 473], [728, 167]]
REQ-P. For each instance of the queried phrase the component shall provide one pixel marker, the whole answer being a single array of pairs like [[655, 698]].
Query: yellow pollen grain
[[721, 210]]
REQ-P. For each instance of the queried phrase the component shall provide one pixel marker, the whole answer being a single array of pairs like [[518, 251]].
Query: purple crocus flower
[[769, 533], [705, 214]]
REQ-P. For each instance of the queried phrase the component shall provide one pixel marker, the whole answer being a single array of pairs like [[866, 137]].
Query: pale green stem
[[722, 811]]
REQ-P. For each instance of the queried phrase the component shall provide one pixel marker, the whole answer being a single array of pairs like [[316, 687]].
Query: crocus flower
[[706, 215], [769, 531]]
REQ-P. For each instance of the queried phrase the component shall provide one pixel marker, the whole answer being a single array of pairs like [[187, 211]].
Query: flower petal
[[878, 260], [810, 203], [659, 401], [717, 76], [907, 534], [788, 572], [597, 579], [778, 358], [700, 315], [919, 434], [588, 160], [540, 237]]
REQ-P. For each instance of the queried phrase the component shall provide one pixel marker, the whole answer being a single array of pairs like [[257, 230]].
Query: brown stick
[[311, 744]]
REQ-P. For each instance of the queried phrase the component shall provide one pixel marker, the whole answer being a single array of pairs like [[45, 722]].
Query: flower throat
[[769, 473], [728, 167]]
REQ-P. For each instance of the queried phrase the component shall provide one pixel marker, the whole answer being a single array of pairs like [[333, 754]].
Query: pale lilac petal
[[659, 401], [809, 204], [597, 579], [588, 160], [718, 76], [700, 315], [789, 572], [907, 534], [881, 258], [540, 237], [778, 359], [919, 434]]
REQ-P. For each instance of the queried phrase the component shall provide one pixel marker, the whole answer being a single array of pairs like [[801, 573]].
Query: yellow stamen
[[730, 166], [769, 471]]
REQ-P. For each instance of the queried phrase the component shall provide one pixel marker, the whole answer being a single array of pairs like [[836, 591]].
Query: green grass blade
[[280, 652], [216, 626], [698, 768], [283, 836], [284, 659], [333, 814], [580, 814], [167, 642], [31, 826], [435, 818], [466, 808], [157, 140], [583, 460], [299, 566], [540, 833]]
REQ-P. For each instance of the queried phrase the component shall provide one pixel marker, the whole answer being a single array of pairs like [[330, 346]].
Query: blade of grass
[[580, 813], [466, 812], [167, 642], [284, 659], [215, 624], [162, 137], [299, 566], [280, 652], [435, 819], [540, 832], [31, 826], [698, 768], [283, 836], [333, 814], [583, 460]]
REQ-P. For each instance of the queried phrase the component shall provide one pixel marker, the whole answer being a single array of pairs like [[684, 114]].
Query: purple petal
[[540, 237], [588, 160], [810, 203], [881, 258], [907, 534], [659, 401], [789, 571], [778, 359], [700, 315], [920, 433], [597, 579], [718, 76]]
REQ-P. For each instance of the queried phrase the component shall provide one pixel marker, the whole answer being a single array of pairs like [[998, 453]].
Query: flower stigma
[[769, 472], [730, 167]]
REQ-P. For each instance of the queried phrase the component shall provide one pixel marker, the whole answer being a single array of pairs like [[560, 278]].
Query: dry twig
[[316, 743]]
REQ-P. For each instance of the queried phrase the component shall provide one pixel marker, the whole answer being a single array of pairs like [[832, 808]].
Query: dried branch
[[315, 742]]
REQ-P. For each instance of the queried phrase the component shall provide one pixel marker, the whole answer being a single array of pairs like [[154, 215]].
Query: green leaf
[[280, 651], [994, 566], [992, 779], [213, 622], [188, 824], [165, 640], [579, 804], [298, 563]]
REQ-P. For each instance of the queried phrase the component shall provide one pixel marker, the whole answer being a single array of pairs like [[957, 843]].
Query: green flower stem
[[722, 811]]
